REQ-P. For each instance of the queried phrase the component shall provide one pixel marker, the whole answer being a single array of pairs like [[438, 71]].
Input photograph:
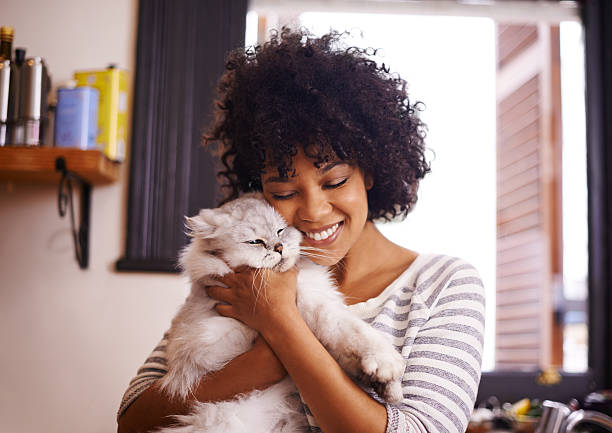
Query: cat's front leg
[[360, 349]]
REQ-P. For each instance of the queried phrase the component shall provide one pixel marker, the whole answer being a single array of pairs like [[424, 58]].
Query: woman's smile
[[324, 236]]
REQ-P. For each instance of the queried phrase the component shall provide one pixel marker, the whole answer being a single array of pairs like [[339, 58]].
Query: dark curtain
[[180, 56]]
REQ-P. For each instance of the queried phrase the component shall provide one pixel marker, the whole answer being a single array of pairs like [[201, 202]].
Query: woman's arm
[[336, 402], [445, 355], [256, 369]]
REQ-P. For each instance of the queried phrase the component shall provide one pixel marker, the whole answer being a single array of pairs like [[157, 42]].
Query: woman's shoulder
[[429, 263], [438, 274]]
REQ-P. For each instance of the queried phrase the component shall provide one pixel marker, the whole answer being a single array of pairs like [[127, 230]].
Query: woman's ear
[[368, 181]]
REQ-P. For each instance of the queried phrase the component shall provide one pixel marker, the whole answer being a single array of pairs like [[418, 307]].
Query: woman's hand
[[257, 297]]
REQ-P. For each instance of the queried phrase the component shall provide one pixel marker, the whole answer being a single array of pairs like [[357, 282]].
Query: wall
[[72, 339]]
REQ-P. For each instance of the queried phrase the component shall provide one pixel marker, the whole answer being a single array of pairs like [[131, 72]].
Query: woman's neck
[[370, 265]]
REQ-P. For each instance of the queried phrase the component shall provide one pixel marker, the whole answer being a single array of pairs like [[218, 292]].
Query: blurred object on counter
[[481, 420], [76, 117], [112, 109], [33, 112], [525, 415], [568, 418], [487, 417], [600, 401], [553, 416], [532, 416], [522, 416], [587, 421]]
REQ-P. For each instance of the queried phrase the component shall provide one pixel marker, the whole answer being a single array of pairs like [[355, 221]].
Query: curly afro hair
[[297, 91]]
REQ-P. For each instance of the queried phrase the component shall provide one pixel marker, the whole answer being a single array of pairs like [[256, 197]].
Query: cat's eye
[[256, 242], [280, 231]]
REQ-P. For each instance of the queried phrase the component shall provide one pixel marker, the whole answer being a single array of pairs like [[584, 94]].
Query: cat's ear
[[205, 224]]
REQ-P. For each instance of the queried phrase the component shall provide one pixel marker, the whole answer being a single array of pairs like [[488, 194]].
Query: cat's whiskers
[[325, 255], [313, 251], [262, 283], [256, 290]]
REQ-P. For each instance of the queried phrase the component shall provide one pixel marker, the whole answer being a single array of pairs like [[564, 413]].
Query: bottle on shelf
[[15, 124], [35, 84], [5, 80], [6, 42], [6, 75]]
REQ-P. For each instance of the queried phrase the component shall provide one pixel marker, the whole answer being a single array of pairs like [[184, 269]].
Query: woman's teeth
[[319, 236]]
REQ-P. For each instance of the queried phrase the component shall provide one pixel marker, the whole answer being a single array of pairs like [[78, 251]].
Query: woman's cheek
[[284, 209]]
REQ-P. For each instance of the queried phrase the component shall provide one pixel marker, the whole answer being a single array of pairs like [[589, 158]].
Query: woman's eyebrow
[[327, 167], [276, 179], [321, 170]]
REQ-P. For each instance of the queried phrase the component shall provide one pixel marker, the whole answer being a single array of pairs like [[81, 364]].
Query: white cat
[[247, 231]]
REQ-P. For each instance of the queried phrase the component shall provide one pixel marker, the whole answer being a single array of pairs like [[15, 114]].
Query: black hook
[[64, 203]]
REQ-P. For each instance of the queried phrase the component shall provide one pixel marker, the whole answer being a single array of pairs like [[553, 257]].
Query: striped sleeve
[[444, 357], [155, 366]]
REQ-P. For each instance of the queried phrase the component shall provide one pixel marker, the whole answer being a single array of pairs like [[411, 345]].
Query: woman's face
[[328, 205]]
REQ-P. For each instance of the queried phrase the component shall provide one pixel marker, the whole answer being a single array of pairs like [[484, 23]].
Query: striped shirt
[[434, 313]]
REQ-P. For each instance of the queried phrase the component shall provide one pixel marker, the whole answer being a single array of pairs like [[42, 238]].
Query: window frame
[[512, 386]]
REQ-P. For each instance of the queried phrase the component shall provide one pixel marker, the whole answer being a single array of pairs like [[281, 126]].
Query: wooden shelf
[[37, 165]]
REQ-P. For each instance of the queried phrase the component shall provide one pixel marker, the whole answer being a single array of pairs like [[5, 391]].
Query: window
[[508, 191]]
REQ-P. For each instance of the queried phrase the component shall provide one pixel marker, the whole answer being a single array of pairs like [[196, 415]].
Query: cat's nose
[[279, 248]]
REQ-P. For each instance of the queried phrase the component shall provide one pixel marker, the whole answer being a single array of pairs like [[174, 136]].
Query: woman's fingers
[[225, 310], [223, 294], [226, 298]]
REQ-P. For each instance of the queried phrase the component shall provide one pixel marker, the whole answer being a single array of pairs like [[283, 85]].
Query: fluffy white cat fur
[[247, 231]]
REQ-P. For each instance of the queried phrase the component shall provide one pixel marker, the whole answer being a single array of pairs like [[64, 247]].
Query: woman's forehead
[[301, 163]]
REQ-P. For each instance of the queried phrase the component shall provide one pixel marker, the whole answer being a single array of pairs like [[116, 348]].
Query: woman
[[333, 142]]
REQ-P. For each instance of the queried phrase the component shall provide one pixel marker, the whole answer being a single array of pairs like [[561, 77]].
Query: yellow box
[[112, 84]]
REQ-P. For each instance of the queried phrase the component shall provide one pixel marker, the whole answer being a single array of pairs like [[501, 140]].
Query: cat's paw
[[383, 366], [385, 369], [391, 392]]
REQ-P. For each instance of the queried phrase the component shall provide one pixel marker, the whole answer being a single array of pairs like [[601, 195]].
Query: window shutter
[[528, 196]]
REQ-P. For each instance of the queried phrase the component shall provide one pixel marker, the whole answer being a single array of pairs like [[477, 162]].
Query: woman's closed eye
[[336, 184], [288, 195], [283, 195]]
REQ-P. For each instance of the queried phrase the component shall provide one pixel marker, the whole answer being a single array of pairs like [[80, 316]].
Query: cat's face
[[247, 231]]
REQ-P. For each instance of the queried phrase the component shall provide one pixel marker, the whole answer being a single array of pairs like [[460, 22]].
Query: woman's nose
[[314, 207]]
